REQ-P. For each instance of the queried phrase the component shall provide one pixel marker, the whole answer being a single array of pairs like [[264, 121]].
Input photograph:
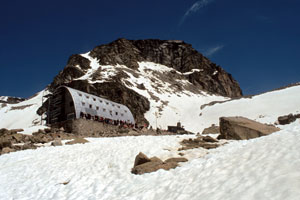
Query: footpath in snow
[[262, 168]]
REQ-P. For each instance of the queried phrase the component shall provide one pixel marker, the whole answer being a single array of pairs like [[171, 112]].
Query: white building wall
[[94, 105]]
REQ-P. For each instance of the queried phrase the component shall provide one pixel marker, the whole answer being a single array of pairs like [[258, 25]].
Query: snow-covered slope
[[265, 108], [22, 115], [257, 169]]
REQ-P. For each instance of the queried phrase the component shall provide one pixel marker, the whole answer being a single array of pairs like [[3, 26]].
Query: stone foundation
[[89, 127]]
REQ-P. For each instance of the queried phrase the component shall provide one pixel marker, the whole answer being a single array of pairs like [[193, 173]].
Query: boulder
[[143, 164], [56, 142], [141, 159], [77, 141], [287, 119], [152, 167], [241, 128], [156, 159], [213, 129]]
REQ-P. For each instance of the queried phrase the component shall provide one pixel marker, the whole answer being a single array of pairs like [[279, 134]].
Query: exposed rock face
[[75, 68], [203, 74], [287, 119], [241, 128], [172, 53]]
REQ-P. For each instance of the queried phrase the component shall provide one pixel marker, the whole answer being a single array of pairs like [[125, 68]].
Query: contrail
[[194, 8]]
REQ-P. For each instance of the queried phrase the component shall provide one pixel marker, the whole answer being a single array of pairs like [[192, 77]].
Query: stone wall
[[89, 127]]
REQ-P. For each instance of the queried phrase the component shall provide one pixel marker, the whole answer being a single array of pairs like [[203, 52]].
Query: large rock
[[152, 167], [241, 128], [143, 164], [141, 159]]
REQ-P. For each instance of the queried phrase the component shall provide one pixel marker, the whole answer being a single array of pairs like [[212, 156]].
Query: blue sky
[[256, 41]]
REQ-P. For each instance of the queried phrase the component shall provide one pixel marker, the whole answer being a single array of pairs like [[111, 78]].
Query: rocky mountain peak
[[175, 54]]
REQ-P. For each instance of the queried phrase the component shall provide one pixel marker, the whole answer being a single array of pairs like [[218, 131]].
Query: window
[[110, 112], [104, 109], [116, 113], [87, 96], [91, 106], [97, 107], [80, 94], [125, 111], [113, 105], [94, 99], [100, 101], [107, 103], [118, 106], [122, 114], [83, 103]]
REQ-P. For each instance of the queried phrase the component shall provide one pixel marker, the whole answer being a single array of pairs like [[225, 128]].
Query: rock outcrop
[[241, 128]]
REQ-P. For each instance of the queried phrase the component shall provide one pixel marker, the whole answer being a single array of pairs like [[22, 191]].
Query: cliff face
[[117, 72], [172, 53]]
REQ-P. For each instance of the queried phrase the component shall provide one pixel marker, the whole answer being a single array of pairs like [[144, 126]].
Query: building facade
[[67, 104]]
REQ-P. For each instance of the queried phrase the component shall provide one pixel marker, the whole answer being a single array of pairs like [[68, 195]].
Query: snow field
[[264, 108], [261, 168], [22, 115]]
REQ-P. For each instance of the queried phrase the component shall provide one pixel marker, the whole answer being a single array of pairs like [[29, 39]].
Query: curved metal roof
[[97, 106]]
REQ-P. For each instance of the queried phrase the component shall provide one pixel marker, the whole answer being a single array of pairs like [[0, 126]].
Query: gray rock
[[56, 142]]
